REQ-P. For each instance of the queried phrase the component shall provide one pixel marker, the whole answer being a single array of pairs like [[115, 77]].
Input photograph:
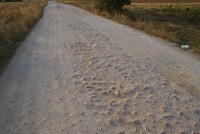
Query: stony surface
[[77, 73]]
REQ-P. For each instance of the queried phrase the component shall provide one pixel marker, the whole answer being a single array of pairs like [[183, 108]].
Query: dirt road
[[77, 73]]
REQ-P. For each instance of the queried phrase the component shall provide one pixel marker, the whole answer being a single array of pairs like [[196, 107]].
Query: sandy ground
[[77, 73]]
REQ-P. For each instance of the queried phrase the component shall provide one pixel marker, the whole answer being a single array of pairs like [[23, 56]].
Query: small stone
[[109, 111], [167, 125], [104, 93], [82, 113], [121, 120], [114, 103], [100, 129], [113, 88], [148, 129], [117, 93], [134, 113], [181, 113], [197, 112], [176, 98], [136, 123], [121, 132], [147, 88], [168, 117], [90, 87], [112, 122]]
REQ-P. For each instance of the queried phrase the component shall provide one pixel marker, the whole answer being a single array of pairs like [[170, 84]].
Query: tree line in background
[[166, 1]]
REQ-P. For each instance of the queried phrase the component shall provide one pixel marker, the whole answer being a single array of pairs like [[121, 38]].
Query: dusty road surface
[[77, 73]]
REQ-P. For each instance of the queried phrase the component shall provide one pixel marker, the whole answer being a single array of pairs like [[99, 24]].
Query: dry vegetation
[[158, 5], [16, 20], [176, 22], [166, 1]]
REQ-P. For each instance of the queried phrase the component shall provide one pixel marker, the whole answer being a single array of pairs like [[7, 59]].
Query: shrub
[[112, 5]]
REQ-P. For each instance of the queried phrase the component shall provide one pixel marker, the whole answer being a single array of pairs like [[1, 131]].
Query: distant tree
[[112, 5]]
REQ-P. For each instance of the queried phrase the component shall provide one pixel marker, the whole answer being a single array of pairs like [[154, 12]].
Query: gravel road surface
[[78, 73]]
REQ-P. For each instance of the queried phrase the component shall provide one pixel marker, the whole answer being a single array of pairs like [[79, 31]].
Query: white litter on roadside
[[185, 46]]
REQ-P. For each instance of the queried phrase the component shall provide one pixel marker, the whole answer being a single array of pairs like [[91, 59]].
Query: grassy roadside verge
[[16, 20], [178, 23]]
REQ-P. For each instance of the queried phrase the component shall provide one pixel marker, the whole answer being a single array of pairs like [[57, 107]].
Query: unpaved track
[[77, 73]]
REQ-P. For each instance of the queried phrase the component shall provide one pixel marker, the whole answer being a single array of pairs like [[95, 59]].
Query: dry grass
[[158, 5], [16, 20], [166, 1], [177, 24]]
